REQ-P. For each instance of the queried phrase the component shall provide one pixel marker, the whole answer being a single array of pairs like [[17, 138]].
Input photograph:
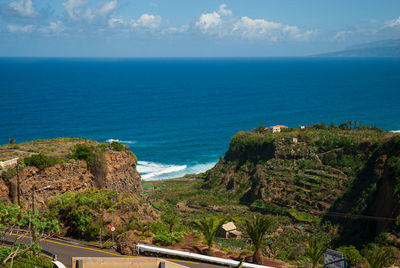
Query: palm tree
[[209, 228], [383, 257], [256, 230], [11, 140], [314, 251]]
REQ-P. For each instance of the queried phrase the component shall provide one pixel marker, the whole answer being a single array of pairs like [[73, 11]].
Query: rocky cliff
[[73, 175], [375, 193], [309, 170]]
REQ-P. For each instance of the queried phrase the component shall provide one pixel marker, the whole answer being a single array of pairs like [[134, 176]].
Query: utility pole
[[101, 244], [18, 185], [33, 198], [112, 213], [29, 215], [33, 212]]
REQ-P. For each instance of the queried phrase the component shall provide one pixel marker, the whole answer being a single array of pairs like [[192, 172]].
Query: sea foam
[[120, 141], [155, 171]]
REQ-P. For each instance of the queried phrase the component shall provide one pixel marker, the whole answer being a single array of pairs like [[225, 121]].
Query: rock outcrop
[[73, 176]]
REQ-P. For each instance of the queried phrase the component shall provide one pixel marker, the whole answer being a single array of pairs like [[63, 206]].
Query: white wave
[[156, 171], [120, 141], [395, 131], [150, 170]]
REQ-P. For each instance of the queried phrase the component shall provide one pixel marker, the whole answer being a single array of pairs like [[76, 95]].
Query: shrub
[[104, 146], [352, 255], [168, 239], [41, 161], [9, 173], [381, 239], [81, 212], [116, 146], [134, 156], [83, 152]]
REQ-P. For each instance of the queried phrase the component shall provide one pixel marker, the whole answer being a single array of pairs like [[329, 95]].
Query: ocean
[[178, 115]]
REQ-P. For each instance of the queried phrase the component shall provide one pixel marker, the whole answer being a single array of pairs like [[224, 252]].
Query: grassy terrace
[[58, 147]]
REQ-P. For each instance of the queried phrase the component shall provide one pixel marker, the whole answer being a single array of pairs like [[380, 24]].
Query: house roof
[[230, 226], [281, 126], [236, 232]]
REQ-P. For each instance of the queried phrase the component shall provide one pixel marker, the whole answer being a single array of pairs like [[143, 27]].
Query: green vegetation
[[256, 230], [164, 238], [285, 182], [26, 260], [86, 212], [209, 227], [328, 168], [42, 161], [116, 146], [12, 217], [83, 152], [352, 256], [169, 215], [81, 212], [379, 257], [315, 250]]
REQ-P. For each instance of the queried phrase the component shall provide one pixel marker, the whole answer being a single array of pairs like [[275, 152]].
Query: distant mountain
[[382, 48]]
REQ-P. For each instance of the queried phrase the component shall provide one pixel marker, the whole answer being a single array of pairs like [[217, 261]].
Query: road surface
[[65, 251]]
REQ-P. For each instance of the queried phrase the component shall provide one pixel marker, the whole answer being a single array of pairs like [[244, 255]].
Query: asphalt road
[[65, 251]]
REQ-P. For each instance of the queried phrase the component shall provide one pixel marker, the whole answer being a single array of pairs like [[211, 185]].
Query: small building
[[302, 127], [275, 129], [230, 229]]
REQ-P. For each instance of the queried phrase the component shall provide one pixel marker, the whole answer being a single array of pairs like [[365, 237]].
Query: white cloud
[[24, 8], [262, 29], [53, 27], [393, 23], [108, 8], [71, 7], [76, 11], [89, 14], [115, 22], [148, 21], [23, 29], [209, 22], [180, 29], [342, 35], [223, 11]]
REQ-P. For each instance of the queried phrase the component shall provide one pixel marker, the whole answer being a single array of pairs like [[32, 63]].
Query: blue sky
[[192, 28]]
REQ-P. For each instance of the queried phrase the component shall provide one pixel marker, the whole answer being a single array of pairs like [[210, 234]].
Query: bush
[[41, 161], [25, 261], [81, 212], [168, 239], [9, 173], [104, 146], [133, 155], [116, 146], [352, 255], [83, 152]]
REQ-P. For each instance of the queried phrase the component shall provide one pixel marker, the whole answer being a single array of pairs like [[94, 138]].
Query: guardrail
[[141, 248], [43, 251]]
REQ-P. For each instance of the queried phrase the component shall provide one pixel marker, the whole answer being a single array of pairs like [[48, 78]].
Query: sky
[[192, 28]]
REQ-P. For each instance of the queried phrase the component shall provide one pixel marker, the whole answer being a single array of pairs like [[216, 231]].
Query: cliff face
[[307, 170], [375, 192], [278, 172], [74, 176]]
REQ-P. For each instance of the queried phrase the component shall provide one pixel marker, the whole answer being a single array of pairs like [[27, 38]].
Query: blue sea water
[[178, 115]]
